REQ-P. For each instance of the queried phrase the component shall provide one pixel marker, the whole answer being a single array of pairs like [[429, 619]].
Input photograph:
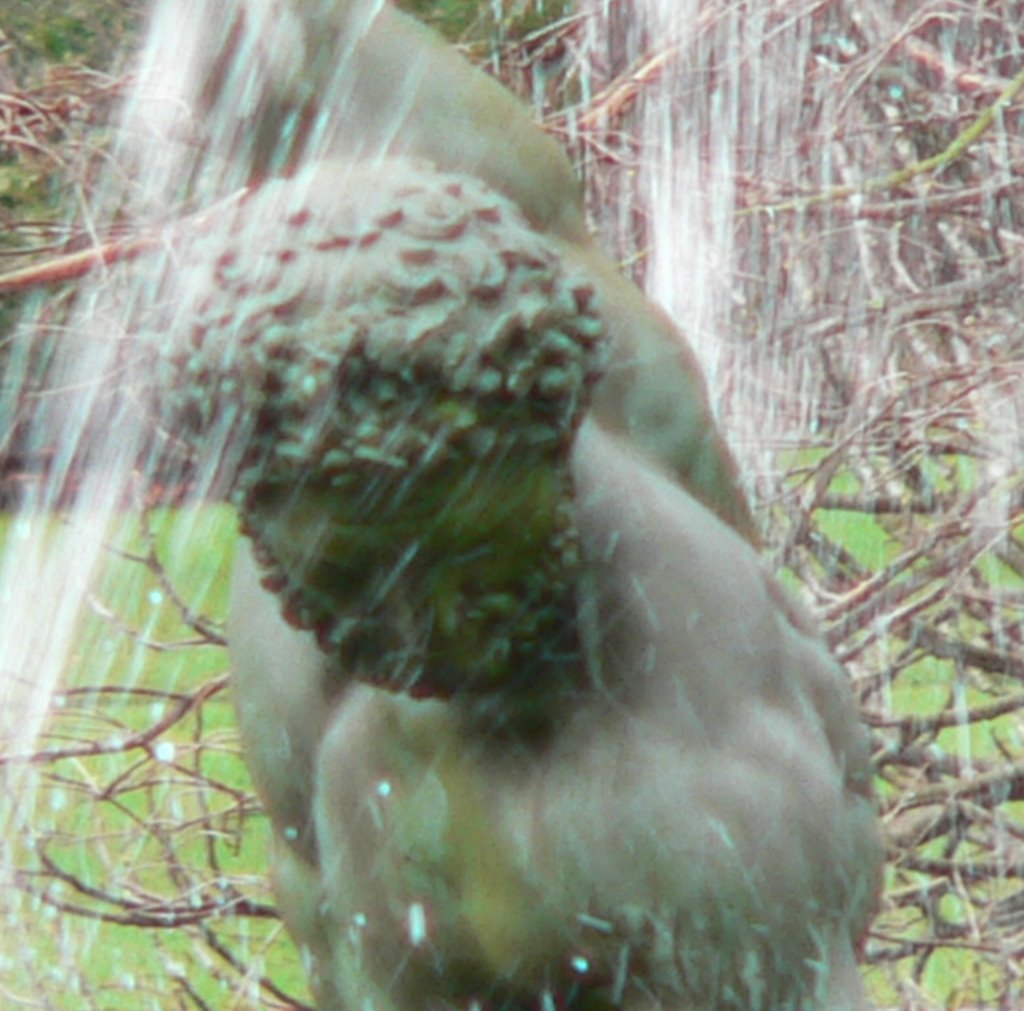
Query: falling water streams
[[724, 109], [728, 108]]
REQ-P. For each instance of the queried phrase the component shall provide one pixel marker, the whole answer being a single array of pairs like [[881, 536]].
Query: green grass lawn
[[143, 857]]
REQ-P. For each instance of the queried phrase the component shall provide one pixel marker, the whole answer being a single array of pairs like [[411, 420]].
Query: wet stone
[[412, 349]]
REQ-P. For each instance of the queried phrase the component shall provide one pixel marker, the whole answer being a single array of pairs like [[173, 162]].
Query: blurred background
[[829, 197]]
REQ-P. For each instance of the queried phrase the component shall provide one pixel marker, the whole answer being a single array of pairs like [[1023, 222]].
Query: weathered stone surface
[[400, 363]]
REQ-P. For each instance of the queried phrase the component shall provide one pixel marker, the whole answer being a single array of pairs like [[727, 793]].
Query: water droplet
[[165, 751], [417, 924], [156, 597]]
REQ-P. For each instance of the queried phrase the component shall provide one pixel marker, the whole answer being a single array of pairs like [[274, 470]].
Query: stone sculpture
[[533, 726]]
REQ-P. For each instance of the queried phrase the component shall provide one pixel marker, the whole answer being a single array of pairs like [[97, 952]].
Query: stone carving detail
[[402, 362]]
